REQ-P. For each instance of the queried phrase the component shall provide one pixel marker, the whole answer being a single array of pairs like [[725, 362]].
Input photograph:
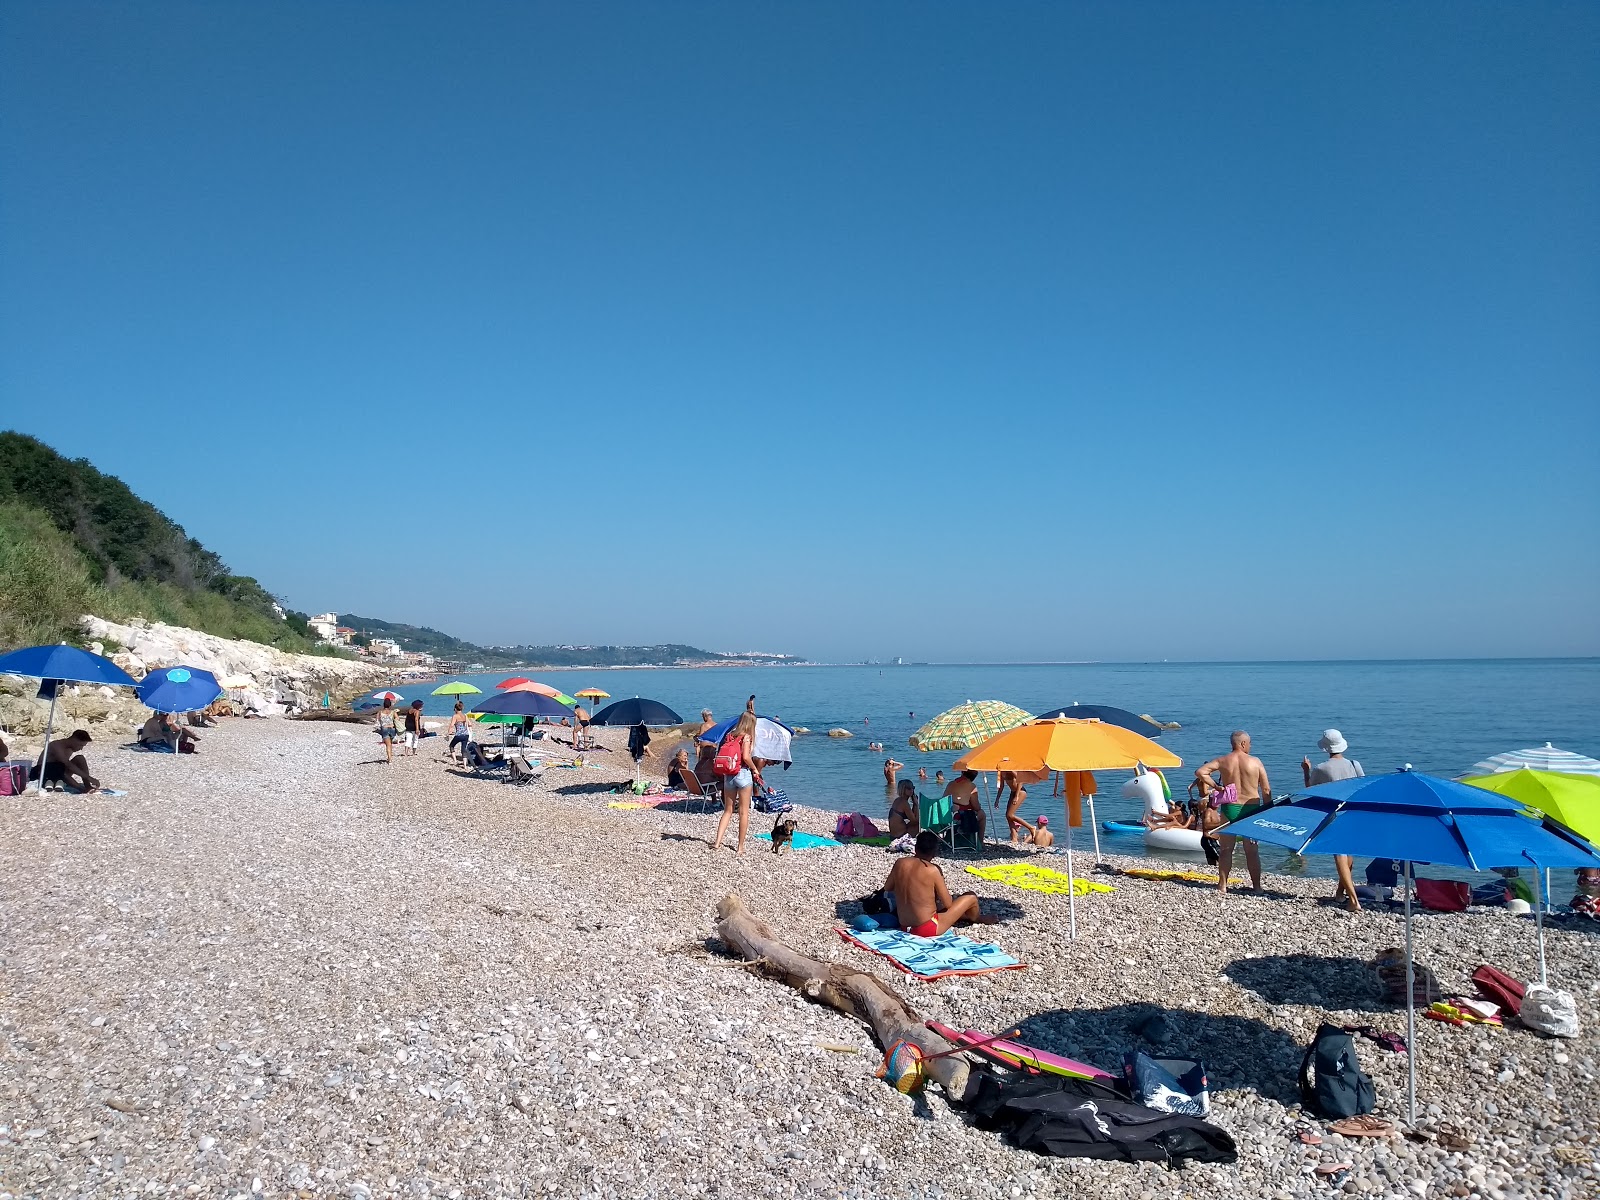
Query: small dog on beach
[[782, 834]]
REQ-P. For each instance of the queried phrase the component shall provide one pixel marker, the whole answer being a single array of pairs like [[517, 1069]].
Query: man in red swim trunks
[[922, 901]]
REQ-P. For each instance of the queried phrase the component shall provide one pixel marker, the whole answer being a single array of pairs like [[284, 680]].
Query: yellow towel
[[626, 804], [1182, 876], [1036, 879]]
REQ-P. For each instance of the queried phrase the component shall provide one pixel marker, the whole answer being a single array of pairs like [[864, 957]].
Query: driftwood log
[[853, 992]]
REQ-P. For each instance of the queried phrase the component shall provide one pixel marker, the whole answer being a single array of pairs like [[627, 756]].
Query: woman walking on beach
[[736, 785], [387, 729], [460, 732]]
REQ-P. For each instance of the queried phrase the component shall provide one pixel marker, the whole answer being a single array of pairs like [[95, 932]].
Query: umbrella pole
[[1072, 889], [1538, 919], [49, 722], [1094, 828], [1411, 1014]]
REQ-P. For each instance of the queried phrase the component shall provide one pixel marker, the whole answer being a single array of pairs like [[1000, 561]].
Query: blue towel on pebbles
[[929, 958], [806, 841]]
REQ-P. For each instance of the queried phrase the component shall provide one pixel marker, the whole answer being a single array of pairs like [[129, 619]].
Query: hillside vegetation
[[74, 540]]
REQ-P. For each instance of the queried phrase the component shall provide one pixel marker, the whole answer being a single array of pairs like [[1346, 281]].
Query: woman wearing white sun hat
[[1334, 768]]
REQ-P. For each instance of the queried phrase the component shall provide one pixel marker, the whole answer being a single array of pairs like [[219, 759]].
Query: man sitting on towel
[[64, 764], [922, 901]]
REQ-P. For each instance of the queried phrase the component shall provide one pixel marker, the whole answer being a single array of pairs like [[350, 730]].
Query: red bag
[[1494, 984], [730, 756], [1443, 895]]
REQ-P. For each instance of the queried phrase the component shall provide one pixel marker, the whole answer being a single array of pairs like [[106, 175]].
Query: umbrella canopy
[[178, 689], [966, 725], [66, 663], [537, 689], [456, 688], [1539, 758], [1416, 818], [636, 712], [771, 741], [1062, 744], [592, 694], [496, 718], [523, 704], [512, 682], [1574, 800], [1148, 726], [380, 697]]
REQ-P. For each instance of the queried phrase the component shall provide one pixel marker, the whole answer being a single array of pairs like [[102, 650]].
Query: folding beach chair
[[707, 793], [938, 816]]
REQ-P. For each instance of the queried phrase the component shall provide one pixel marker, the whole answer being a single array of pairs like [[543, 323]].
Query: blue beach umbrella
[[523, 704], [771, 741], [54, 665], [1146, 726], [179, 689], [636, 712], [1418, 818]]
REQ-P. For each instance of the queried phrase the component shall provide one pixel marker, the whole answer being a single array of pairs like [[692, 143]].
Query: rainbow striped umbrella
[[967, 725]]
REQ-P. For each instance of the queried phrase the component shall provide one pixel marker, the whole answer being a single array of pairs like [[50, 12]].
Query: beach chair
[[938, 816], [707, 793], [522, 770]]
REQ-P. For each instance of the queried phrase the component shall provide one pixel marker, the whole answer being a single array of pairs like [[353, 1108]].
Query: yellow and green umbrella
[[457, 688], [1574, 800], [967, 725]]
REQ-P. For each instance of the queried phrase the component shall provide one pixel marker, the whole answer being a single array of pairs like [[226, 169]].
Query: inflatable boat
[[1157, 839]]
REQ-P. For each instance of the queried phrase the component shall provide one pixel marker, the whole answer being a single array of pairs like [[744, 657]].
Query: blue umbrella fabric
[[523, 704], [179, 689], [1143, 726], [636, 712], [1417, 818], [66, 663], [61, 664], [772, 738]]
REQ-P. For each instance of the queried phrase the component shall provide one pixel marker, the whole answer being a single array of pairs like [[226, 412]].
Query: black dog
[[782, 834]]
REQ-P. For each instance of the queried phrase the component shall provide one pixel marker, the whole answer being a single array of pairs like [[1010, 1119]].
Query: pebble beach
[[283, 968]]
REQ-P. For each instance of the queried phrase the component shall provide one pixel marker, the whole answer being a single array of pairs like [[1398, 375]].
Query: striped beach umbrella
[[967, 725], [1539, 758]]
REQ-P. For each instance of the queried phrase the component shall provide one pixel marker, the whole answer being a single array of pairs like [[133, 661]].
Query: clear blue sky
[[951, 331]]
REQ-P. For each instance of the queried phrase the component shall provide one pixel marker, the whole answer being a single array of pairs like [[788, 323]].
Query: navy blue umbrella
[[1146, 726], [636, 712], [1417, 818], [61, 664], [179, 689], [523, 704]]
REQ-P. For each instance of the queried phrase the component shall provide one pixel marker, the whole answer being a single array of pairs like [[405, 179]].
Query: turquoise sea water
[[1439, 716]]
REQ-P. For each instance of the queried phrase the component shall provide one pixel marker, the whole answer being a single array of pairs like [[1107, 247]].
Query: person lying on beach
[[922, 902], [903, 817], [678, 770], [63, 762], [963, 790]]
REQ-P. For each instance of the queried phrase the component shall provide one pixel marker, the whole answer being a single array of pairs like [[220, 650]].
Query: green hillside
[[442, 645], [74, 540]]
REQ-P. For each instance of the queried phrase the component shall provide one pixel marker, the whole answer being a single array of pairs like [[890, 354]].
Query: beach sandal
[[1364, 1125], [1391, 1042], [1334, 1173], [1306, 1133]]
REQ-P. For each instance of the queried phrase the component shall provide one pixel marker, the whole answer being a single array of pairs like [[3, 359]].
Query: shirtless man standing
[[1249, 777], [890, 768], [922, 902], [963, 791]]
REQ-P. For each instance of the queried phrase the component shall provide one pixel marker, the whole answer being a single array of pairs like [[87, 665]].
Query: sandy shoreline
[[278, 964]]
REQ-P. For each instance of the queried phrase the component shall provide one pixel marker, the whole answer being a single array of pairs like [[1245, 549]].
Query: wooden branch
[[855, 993]]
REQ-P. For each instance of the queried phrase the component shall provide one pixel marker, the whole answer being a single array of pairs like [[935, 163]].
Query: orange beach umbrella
[[1075, 748]]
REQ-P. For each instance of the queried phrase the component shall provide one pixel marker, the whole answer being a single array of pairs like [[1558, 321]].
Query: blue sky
[[958, 332]]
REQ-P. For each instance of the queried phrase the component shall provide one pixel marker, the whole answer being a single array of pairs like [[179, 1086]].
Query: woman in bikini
[[903, 818]]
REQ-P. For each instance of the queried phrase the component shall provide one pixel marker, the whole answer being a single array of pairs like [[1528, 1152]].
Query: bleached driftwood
[[854, 992]]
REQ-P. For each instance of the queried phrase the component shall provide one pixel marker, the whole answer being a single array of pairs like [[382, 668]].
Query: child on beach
[[1042, 837]]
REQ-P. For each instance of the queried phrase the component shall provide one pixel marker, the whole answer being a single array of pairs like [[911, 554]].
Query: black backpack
[[1342, 1088]]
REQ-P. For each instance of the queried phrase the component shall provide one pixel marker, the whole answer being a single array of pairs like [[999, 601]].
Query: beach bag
[[1170, 1085], [1550, 1012], [854, 825], [13, 778], [1495, 985], [1443, 895], [1340, 1087], [730, 757], [1390, 969]]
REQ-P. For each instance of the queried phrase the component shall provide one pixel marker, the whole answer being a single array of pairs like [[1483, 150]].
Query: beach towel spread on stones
[[1077, 1118]]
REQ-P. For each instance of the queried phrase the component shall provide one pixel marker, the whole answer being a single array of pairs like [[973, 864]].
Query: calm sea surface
[[1439, 716]]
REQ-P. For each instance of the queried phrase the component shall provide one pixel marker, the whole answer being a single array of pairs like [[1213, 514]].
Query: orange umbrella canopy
[[1067, 745]]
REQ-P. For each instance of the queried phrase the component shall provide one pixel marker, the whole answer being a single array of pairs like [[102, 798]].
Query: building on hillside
[[324, 625], [344, 635], [384, 648]]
